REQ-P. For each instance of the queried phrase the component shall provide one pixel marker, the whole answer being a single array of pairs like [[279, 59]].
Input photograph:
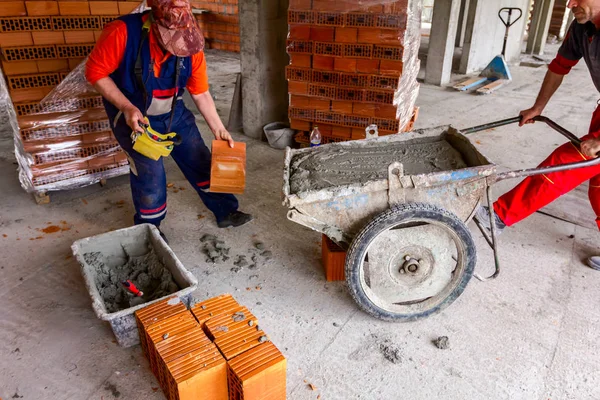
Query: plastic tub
[[279, 135], [114, 248]]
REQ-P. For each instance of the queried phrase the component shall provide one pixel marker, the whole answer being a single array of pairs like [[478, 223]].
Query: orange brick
[[237, 342], [367, 66], [15, 39], [19, 67], [207, 309], [390, 36], [299, 101], [319, 104], [386, 111], [341, 132], [73, 8], [12, 9], [259, 373], [73, 37], [300, 4], [97, 35], [346, 35], [390, 67], [295, 87], [301, 60], [45, 38], [364, 109], [344, 107], [299, 125], [160, 331], [334, 258], [299, 32], [228, 167], [74, 62], [23, 95], [324, 63], [41, 8], [345, 64], [53, 65], [322, 33], [201, 374], [125, 7], [104, 8]]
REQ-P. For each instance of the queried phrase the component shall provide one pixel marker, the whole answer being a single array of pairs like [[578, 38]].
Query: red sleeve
[[561, 65], [108, 52], [198, 81]]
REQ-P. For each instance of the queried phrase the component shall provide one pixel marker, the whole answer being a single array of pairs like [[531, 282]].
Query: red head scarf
[[176, 28]]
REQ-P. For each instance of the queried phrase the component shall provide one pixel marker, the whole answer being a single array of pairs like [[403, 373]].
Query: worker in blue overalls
[[141, 65]]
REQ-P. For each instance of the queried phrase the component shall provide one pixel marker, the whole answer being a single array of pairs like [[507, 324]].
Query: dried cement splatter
[[330, 166], [146, 272], [214, 249], [442, 342], [112, 388], [390, 351]]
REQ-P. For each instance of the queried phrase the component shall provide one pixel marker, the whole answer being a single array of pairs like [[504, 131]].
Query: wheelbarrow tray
[[341, 211]]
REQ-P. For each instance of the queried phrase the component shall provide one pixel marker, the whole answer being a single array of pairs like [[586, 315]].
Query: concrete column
[[441, 41], [462, 23], [263, 32], [538, 29]]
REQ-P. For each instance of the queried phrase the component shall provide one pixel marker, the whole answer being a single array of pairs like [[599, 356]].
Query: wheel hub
[[411, 264]]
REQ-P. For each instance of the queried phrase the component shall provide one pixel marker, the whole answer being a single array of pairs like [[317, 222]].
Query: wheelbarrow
[[404, 224]]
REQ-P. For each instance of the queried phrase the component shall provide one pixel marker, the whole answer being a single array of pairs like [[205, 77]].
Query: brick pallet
[[347, 68], [213, 351], [65, 143]]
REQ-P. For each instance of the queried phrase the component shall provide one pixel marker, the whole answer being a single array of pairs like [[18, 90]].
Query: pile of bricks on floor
[[65, 143], [347, 61], [215, 350], [220, 25]]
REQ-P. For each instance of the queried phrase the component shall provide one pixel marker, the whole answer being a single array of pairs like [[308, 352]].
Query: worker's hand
[[590, 147], [222, 134], [133, 117], [528, 115]]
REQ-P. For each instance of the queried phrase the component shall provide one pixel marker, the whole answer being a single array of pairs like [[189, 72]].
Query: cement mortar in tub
[[109, 258]]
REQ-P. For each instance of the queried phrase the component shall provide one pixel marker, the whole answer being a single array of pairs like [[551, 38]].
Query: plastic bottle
[[315, 137]]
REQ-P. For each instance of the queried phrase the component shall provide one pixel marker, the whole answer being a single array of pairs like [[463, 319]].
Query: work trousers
[[149, 181], [537, 191]]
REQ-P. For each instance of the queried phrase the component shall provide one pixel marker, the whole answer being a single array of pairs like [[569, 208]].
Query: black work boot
[[236, 218], [162, 235]]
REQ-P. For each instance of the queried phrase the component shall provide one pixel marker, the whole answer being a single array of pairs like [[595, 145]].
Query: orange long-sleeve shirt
[[110, 48]]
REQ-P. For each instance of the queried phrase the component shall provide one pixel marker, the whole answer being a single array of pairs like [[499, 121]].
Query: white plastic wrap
[[408, 87], [64, 141]]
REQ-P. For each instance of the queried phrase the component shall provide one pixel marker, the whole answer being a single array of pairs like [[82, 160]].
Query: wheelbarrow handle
[[563, 131]]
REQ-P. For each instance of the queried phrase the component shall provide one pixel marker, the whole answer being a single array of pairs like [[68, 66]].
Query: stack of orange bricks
[[220, 25], [345, 65], [214, 351], [40, 43]]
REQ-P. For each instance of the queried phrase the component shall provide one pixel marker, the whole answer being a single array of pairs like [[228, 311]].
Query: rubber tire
[[393, 217]]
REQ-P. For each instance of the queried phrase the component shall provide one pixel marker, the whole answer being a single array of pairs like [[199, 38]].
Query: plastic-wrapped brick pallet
[[63, 141], [353, 64]]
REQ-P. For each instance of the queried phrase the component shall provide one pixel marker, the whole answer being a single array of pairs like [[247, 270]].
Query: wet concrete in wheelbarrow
[[335, 165]]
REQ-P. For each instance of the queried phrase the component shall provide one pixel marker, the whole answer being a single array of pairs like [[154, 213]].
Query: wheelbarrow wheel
[[410, 262]]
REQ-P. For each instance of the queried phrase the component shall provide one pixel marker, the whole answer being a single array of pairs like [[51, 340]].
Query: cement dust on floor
[[530, 334]]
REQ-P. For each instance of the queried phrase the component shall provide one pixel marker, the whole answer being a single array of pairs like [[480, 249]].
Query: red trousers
[[538, 191]]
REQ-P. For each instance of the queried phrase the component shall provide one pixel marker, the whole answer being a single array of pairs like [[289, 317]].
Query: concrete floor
[[530, 334]]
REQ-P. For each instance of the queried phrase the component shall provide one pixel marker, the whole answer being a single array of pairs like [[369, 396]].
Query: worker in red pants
[[535, 192]]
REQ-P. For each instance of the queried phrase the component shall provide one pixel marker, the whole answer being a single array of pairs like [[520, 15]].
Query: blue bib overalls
[[148, 178]]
